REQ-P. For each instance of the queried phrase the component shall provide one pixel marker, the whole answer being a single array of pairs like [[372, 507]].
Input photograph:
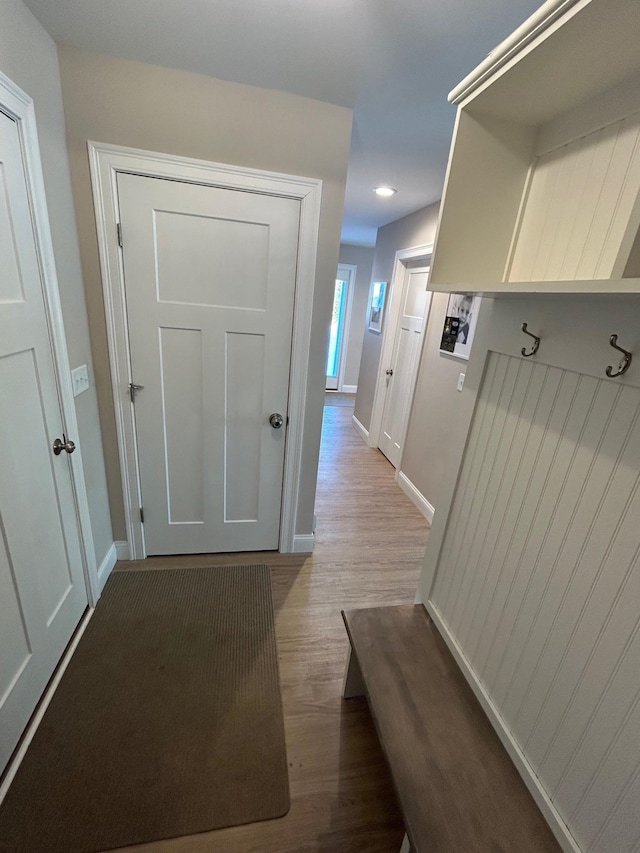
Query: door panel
[[42, 589], [188, 241], [243, 446], [210, 280], [24, 429], [181, 385], [406, 344], [404, 362]]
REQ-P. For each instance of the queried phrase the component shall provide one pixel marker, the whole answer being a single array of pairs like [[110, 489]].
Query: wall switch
[[460, 381], [80, 379]]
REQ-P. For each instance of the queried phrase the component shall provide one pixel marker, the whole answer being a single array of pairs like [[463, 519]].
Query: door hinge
[[119, 232], [133, 390], [141, 515]]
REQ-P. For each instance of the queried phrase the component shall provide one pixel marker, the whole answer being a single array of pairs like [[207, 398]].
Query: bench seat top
[[458, 790]]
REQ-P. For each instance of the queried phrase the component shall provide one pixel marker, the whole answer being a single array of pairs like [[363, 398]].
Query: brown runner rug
[[167, 721]]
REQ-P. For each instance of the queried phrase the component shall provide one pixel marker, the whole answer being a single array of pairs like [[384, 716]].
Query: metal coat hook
[[536, 342], [625, 361]]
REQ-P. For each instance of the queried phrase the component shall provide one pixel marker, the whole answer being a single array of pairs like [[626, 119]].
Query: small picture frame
[[377, 298], [460, 324]]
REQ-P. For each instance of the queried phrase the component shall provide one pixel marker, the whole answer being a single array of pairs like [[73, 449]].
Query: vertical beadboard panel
[[539, 584], [560, 209], [583, 236], [446, 583], [541, 187], [579, 203]]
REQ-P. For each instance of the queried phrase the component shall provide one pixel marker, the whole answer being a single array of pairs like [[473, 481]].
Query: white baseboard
[[104, 570], [303, 543], [349, 389], [549, 812], [417, 497], [122, 550], [362, 432], [36, 719]]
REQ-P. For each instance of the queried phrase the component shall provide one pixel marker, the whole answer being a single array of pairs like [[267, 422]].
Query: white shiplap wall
[[539, 584], [580, 211]]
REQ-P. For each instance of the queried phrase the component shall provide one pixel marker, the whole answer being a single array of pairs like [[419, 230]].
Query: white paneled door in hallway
[[210, 277], [402, 370], [42, 587]]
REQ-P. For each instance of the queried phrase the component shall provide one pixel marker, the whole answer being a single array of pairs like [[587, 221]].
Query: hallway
[[370, 541]]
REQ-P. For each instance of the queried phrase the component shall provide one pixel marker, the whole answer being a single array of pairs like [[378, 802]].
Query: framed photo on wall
[[460, 324], [377, 305]]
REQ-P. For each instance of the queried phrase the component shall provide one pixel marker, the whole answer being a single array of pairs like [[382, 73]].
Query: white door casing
[[404, 362], [210, 279], [47, 566], [403, 257], [106, 162]]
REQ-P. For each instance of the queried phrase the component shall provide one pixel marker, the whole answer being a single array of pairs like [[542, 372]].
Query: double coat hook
[[535, 345], [623, 366], [625, 361]]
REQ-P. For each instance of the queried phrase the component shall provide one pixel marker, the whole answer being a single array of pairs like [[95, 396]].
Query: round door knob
[[63, 443], [276, 420], [389, 371]]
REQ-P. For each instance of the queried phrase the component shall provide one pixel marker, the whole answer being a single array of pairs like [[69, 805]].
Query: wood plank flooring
[[370, 541]]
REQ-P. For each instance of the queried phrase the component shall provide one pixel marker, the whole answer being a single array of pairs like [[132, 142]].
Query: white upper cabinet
[[543, 184]]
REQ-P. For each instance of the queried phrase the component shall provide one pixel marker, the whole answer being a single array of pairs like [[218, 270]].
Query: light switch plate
[[80, 379], [460, 384]]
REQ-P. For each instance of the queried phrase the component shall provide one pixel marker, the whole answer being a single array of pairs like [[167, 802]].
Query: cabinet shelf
[[597, 289]]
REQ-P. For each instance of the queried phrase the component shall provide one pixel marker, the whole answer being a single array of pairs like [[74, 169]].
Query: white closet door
[[401, 373], [210, 279], [42, 588]]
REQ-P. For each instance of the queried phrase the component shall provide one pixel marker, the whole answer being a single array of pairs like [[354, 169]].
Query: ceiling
[[392, 61]]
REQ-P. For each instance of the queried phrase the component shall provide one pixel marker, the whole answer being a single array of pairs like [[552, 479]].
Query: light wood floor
[[370, 541], [338, 398]]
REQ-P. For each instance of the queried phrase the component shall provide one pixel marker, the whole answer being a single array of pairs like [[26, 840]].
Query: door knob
[[389, 371], [63, 443], [276, 420]]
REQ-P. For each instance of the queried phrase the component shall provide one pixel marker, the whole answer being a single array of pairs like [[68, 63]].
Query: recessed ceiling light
[[385, 192]]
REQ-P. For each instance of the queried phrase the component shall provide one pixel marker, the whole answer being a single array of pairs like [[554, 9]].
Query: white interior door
[[210, 279], [401, 372], [42, 587]]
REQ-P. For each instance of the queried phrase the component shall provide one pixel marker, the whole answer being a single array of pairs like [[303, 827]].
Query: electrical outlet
[[460, 384], [80, 379]]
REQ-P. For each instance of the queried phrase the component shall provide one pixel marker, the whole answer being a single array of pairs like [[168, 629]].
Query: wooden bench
[[457, 788]]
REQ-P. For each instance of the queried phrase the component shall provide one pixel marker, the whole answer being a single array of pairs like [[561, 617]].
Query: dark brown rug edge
[[131, 579]]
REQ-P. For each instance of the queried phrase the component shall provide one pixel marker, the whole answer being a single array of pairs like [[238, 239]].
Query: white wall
[[362, 258], [28, 56], [436, 401], [107, 99], [436, 404]]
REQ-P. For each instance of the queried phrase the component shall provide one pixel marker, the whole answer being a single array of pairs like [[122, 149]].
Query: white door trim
[[105, 162], [344, 343], [414, 253], [19, 106]]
